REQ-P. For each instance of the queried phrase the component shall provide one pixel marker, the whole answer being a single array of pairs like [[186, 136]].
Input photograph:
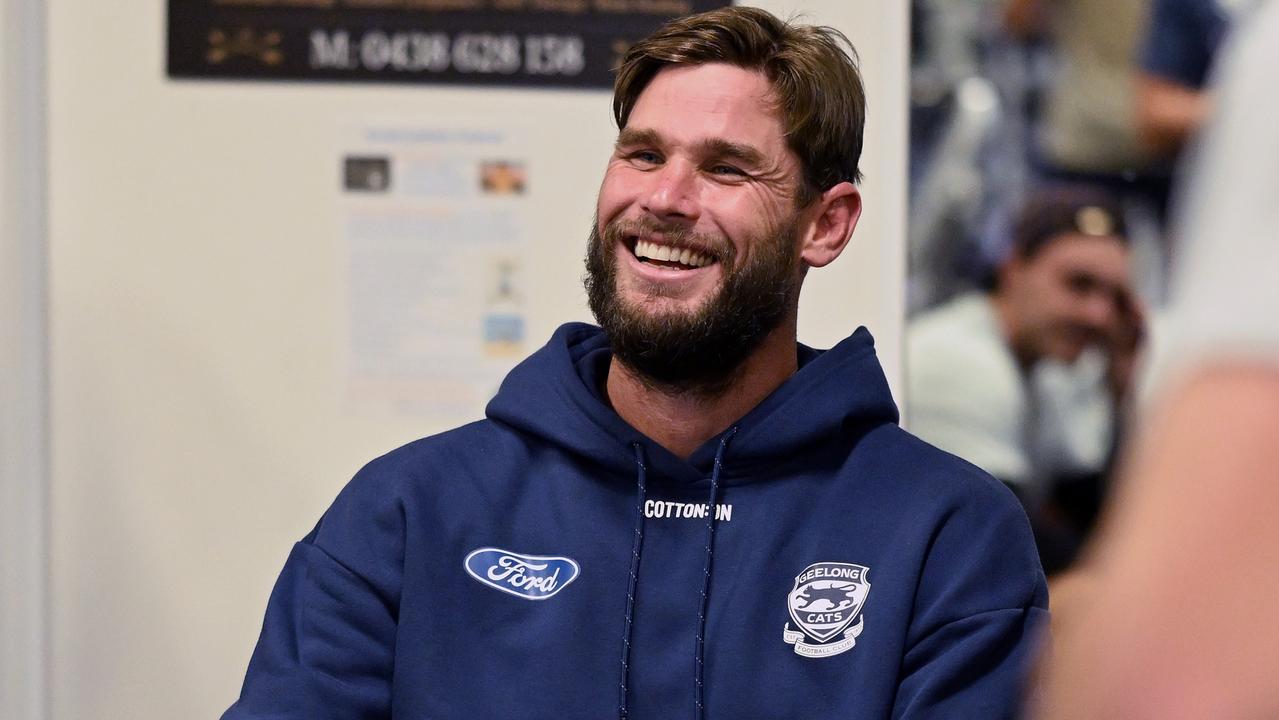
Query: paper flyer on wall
[[435, 247]]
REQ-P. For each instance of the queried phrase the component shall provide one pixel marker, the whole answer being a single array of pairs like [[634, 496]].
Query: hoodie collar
[[556, 394]]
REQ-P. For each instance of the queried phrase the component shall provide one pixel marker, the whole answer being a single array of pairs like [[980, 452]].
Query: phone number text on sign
[[438, 52]]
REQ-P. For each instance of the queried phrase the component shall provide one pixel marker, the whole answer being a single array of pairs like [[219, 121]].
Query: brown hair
[[1056, 210], [817, 84]]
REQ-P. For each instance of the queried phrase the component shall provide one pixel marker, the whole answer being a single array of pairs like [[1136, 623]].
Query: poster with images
[[557, 43], [434, 250]]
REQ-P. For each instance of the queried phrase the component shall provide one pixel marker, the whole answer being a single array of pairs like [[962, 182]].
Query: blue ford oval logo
[[532, 577]]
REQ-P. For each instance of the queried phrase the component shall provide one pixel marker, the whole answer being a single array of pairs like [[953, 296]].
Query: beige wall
[[196, 424]]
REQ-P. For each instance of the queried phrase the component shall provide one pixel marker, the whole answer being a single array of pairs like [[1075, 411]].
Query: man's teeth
[[665, 253]]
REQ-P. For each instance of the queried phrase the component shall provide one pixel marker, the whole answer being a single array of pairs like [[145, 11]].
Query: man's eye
[[727, 171], [646, 157], [1081, 284]]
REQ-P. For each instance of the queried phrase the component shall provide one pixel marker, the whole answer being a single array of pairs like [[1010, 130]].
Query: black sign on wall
[[564, 43]]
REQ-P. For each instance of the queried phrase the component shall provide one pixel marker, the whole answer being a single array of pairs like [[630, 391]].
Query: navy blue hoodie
[[551, 562]]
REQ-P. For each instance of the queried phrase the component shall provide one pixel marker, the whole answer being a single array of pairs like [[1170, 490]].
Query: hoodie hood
[[557, 394]]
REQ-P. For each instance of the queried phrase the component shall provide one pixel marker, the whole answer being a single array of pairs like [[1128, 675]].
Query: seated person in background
[[1024, 380]]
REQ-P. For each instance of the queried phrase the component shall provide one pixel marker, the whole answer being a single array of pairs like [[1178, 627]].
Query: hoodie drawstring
[[700, 652], [641, 472], [641, 491]]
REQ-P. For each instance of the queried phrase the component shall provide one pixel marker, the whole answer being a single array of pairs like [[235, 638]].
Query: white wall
[[196, 423]]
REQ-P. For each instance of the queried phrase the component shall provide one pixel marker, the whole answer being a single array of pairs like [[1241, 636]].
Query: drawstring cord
[[637, 548], [700, 653], [640, 481]]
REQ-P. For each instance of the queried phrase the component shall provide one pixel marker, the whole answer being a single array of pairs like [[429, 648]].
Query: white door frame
[[24, 413]]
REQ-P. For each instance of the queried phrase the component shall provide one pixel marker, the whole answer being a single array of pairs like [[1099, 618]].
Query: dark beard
[[699, 351]]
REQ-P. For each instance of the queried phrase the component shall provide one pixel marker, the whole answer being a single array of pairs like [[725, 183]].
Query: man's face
[[1069, 295], [694, 256]]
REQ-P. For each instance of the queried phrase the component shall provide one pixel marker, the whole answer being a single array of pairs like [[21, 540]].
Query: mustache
[[679, 236], [1087, 334]]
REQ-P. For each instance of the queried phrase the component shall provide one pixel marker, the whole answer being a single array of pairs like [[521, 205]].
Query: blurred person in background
[[976, 94], [1089, 126], [1181, 41], [1024, 380], [1089, 131], [1172, 615]]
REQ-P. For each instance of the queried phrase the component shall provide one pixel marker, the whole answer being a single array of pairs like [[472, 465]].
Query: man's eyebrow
[[630, 136], [720, 148]]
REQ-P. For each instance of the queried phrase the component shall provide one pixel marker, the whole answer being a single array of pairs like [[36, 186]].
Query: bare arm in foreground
[[1183, 625]]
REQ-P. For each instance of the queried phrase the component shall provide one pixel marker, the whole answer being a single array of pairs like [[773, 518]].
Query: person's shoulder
[[963, 326], [963, 309], [938, 478], [957, 360], [411, 464], [972, 521]]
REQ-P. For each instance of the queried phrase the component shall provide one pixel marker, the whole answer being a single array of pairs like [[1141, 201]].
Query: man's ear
[[836, 214]]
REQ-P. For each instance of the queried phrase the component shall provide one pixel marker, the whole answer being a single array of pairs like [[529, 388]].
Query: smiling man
[[684, 512], [701, 243]]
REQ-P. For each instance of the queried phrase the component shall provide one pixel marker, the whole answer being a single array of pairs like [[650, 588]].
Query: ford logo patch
[[532, 577]]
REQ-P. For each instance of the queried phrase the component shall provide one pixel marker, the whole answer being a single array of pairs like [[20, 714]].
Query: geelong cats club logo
[[532, 577], [826, 599]]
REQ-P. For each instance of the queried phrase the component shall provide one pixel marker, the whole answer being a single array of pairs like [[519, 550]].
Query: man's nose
[[1099, 310], [673, 193]]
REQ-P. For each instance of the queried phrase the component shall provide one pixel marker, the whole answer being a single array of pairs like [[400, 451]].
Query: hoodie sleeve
[[981, 607], [328, 640]]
